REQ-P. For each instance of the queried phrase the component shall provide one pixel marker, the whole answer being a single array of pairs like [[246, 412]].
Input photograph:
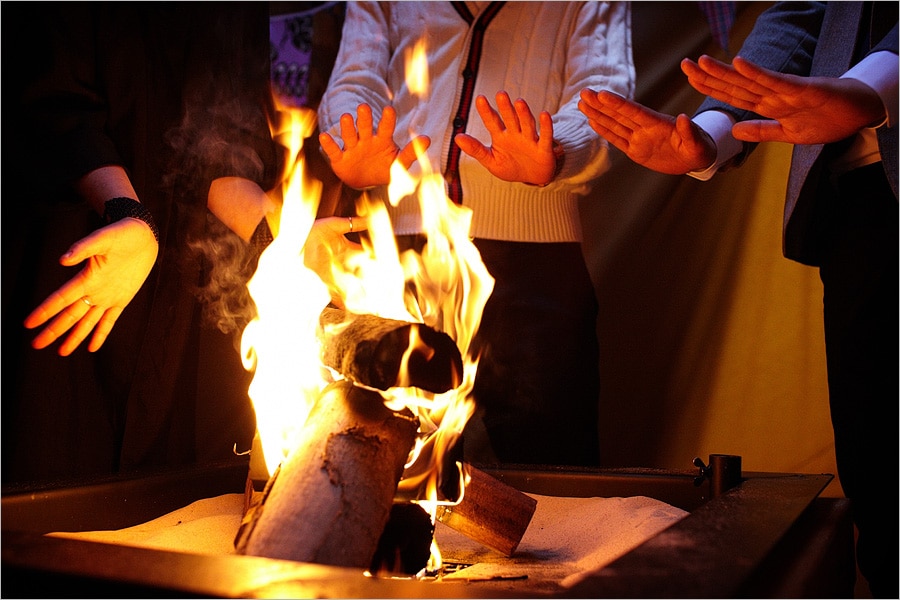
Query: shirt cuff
[[718, 125], [879, 71]]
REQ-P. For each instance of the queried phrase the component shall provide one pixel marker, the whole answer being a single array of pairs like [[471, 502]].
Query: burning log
[[331, 498], [491, 512], [370, 350]]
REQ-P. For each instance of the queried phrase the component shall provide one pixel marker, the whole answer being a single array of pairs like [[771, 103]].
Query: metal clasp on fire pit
[[723, 473]]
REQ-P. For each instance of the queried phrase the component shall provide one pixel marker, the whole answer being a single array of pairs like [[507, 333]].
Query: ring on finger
[[87, 301]]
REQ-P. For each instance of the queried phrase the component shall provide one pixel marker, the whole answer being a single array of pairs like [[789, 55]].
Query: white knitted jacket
[[543, 52]]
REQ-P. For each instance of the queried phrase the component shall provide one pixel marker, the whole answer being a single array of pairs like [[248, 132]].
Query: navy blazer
[[813, 39]]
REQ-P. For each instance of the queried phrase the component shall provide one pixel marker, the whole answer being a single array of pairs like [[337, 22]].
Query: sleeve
[[879, 71], [783, 39], [360, 70], [599, 56]]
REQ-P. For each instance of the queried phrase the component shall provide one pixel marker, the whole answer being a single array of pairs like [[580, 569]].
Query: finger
[[507, 112], [616, 140], [610, 127], [759, 131], [413, 150], [725, 79], [58, 301], [765, 82], [330, 147], [545, 141], [611, 106], [103, 327], [349, 134], [491, 118], [472, 147], [525, 119], [364, 121], [602, 99], [80, 331], [59, 326], [387, 123]]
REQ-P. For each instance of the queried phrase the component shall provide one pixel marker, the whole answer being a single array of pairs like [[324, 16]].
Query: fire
[[279, 344], [445, 287], [417, 70]]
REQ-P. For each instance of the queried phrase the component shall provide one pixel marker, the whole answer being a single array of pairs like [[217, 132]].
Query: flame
[[417, 70], [445, 287], [279, 344]]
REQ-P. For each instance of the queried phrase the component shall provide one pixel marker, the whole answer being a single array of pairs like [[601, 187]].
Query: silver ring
[[351, 223], [87, 301]]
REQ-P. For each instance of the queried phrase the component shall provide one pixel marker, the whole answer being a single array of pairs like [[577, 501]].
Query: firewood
[[405, 544], [491, 512], [331, 498], [370, 349]]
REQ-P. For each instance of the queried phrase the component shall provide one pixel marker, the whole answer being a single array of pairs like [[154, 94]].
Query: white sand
[[567, 537]]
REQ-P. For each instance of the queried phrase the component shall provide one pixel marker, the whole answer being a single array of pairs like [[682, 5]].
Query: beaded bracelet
[[262, 237], [117, 209]]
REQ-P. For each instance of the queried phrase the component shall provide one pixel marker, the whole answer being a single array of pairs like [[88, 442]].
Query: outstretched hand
[[518, 151], [667, 144], [118, 258], [798, 110], [367, 155], [328, 248]]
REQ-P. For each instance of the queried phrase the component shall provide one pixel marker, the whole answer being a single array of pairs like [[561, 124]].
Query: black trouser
[[859, 271], [538, 378]]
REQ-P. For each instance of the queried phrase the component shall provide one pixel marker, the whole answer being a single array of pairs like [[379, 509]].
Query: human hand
[[366, 158], [672, 145], [798, 110], [327, 247], [118, 259], [518, 152]]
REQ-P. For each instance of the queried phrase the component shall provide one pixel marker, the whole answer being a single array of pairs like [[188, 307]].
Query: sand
[[566, 539]]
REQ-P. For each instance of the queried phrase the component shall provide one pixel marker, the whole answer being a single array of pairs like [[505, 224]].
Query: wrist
[[559, 157], [116, 209]]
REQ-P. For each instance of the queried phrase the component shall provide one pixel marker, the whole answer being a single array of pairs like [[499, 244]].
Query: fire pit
[[747, 535]]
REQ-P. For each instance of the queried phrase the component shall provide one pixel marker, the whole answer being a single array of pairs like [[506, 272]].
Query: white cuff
[[879, 71], [718, 125]]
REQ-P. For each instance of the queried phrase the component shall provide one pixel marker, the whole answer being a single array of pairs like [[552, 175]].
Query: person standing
[[537, 384], [824, 77], [137, 121]]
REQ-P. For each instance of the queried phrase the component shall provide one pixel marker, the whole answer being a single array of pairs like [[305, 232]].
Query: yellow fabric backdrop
[[711, 341]]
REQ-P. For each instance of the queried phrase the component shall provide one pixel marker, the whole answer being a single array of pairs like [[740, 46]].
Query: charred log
[[405, 544], [370, 350], [331, 498], [491, 512]]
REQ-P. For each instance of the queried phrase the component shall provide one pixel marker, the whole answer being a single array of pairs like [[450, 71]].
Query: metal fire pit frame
[[767, 535]]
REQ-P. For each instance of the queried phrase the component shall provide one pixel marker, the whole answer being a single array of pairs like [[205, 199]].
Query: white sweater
[[543, 52]]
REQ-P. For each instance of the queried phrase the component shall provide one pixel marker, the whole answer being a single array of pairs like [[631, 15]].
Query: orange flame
[[445, 287]]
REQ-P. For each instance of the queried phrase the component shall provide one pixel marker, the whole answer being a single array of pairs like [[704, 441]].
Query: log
[[331, 498], [491, 512], [370, 350], [405, 544]]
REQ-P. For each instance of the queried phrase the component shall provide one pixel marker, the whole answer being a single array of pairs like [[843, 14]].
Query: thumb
[[413, 150], [758, 131], [83, 249], [472, 146]]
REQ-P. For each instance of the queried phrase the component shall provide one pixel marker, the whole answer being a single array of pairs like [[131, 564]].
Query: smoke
[[223, 132]]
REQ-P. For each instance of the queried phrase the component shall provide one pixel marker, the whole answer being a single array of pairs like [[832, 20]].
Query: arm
[[117, 259], [796, 110], [594, 41], [360, 150], [667, 144]]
